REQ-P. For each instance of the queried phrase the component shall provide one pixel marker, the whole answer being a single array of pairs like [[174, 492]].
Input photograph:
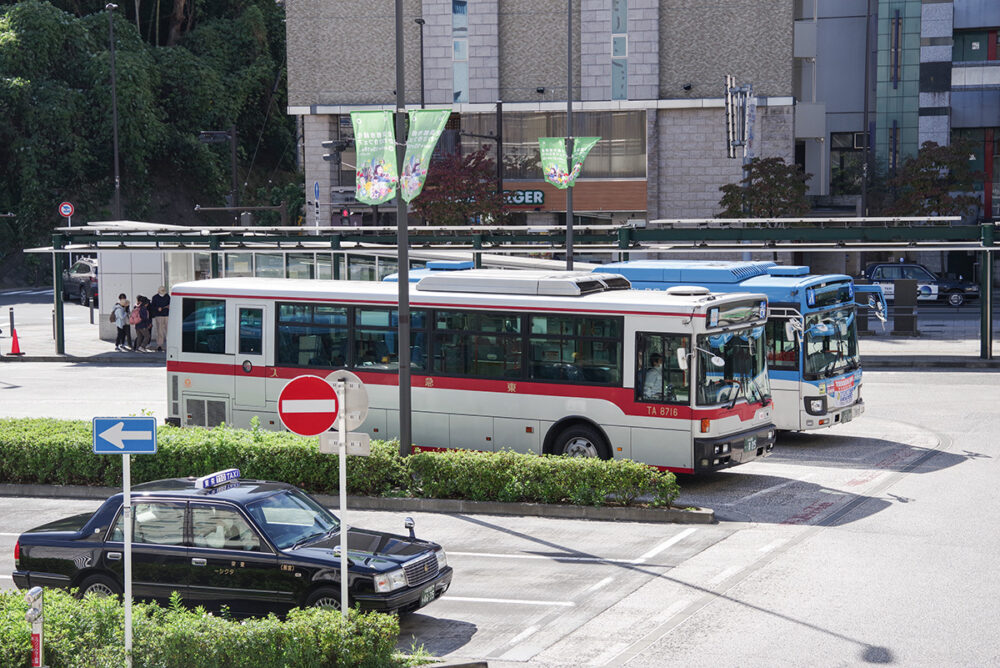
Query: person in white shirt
[[652, 386]]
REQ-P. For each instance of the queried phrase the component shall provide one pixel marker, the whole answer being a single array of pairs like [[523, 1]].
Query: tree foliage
[[770, 188], [224, 67], [461, 190], [938, 181]]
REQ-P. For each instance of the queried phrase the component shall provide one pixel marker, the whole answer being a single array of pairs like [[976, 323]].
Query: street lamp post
[[569, 132], [218, 136], [114, 108], [403, 247], [421, 22]]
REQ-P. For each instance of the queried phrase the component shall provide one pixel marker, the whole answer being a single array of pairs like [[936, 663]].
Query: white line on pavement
[[721, 577], [547, 557], [594, 587], [468, 599], [522, 635], [664, 545], [10, 534], [6, 577]]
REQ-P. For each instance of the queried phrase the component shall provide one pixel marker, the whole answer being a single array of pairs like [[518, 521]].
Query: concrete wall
[[533, 50], [702, 42]]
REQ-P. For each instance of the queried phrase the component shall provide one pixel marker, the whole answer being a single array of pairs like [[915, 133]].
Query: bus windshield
[[831, 342], [742, 371]]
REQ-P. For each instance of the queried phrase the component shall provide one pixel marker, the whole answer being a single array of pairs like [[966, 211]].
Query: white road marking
[[664, 545], [523, 634], [547, 557], [721, 577], [608, 658], [10, 534], [772, 545], [6, 577], [769, 489], [514, 601], [594, 587], [308, 406]]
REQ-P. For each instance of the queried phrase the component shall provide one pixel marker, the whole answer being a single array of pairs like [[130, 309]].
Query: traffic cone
[[15, 349]]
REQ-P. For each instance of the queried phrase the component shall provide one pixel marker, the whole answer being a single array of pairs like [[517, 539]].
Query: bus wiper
[[736, 394]]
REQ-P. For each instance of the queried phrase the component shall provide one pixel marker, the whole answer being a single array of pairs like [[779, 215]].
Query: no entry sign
[[308, 405]]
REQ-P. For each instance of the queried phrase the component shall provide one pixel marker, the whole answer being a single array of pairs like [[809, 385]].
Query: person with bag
[[119, 316], [143, 324]]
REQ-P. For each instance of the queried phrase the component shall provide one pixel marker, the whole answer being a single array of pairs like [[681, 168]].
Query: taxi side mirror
[[408, 523]]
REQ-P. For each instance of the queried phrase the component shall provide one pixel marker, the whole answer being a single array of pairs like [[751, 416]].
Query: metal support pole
[[213, 244], [232, 165], [569, 132], [57, 282], [403, 245], [986, 306], [500, 149], [114, 109], [127, 514], [342, 465], [420, 22]]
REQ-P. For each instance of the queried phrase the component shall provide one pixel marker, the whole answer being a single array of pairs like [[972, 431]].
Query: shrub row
[[88, 633], [60, 452]]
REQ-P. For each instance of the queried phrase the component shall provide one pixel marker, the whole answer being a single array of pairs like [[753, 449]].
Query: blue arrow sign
[[124, 435]]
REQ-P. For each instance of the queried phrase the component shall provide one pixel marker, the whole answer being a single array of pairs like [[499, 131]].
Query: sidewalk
[[33, 320]]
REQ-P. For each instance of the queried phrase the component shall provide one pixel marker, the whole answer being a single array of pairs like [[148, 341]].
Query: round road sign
[[308, 405], [356, 402], [66, 209]]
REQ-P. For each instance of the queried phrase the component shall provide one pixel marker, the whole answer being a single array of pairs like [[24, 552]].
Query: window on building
[[619, 49], [460, 46], [971, 46], [846, 163]]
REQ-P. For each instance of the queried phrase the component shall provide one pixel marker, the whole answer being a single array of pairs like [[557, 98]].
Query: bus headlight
[[390, 581], [815, 405]]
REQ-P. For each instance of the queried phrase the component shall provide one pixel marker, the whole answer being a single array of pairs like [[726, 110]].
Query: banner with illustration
[[554, 165], [426, 126], [375, 143]]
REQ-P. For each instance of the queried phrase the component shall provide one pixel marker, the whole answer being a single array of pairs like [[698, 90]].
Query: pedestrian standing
[[143, 324], [160, 310], [120, 313], [129, 339]]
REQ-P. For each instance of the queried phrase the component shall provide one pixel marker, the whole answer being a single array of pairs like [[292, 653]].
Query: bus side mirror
[[790, 330], [682, 359]]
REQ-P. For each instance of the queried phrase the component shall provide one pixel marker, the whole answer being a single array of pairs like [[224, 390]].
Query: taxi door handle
[[114, 556], [197, 561]]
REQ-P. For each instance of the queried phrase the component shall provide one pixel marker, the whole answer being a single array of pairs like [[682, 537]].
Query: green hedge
[[88, 633], [60, 452]]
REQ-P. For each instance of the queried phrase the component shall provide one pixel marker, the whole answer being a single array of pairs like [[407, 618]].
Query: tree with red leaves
[[461, 190]]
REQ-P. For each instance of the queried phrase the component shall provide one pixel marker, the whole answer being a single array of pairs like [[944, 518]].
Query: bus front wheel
[[581, 441]]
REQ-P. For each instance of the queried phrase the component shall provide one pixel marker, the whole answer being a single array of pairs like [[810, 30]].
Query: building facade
[[648, 77]]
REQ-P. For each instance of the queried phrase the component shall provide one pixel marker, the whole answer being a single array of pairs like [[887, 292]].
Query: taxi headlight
[[390, 580], [442, 559]]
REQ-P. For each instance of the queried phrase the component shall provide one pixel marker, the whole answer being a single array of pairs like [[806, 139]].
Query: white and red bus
[[545, 362]]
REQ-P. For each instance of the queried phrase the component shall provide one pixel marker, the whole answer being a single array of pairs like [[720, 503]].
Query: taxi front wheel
[[326, 597], [99, 585]]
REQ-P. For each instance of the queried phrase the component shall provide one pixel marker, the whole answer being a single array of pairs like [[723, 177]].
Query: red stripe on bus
[[622, 397], [431, 448], [492, 307]]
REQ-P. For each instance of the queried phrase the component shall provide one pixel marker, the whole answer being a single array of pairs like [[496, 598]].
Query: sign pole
[[342, 465], [127, 513]]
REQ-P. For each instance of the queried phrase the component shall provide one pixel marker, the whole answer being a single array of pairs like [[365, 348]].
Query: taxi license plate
[[749, 443], [426, 596]]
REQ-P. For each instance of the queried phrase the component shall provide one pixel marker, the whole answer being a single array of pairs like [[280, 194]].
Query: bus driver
[[652, 386]]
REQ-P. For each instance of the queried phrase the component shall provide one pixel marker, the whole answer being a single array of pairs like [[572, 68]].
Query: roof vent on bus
[[688, 291], [516, 282], [789, 270]]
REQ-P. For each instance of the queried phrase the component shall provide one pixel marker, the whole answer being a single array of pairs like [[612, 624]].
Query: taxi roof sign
[[217, 478]]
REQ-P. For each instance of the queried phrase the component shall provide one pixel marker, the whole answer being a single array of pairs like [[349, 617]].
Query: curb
[[158, 358], [453, 506]]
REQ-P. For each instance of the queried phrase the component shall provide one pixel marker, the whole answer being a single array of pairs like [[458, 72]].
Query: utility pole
[[569, 132]]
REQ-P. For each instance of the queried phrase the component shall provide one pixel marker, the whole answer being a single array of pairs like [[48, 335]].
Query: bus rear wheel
[[581, 441]]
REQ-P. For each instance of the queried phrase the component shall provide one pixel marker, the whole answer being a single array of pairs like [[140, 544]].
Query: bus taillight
[[705, 425]]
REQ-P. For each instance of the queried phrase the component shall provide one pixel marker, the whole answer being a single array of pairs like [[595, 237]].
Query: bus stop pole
[[402, 244]]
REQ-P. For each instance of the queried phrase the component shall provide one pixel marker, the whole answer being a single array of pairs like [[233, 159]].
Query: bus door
[[250, 370]]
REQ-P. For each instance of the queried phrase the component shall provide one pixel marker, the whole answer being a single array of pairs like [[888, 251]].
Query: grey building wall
[[484, 51], [703, 42], [643, 49], [934, 123], [533, 52], [344, 52], [439, 83], [595, 50]]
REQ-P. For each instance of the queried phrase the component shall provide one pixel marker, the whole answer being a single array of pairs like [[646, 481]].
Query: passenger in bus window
[[652, 387]]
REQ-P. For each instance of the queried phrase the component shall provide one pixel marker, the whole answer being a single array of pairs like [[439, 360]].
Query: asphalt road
[[869, 543]]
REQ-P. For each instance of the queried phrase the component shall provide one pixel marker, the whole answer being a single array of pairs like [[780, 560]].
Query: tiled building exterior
[[648, 77]]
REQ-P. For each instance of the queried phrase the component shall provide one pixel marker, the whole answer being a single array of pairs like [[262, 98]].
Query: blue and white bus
[[812, 338]]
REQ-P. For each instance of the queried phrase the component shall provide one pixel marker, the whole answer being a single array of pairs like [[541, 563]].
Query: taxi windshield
[[291, 517], [732, 365], [831, 343]]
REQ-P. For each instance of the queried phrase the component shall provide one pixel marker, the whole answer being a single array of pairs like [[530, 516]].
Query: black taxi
[[252, 545]]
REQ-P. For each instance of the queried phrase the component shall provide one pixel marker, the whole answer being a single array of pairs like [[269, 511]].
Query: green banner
[[375, 143], [553, 152], [581, 147], [426, 126]]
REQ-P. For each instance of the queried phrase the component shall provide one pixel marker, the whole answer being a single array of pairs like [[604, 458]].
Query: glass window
[[619, 79], [270, 265], [487, 345], [619, 46], [239, 264], [461, 81], [782, 350], [361, 268], [301, 265], [732, 365], [917, 274], [846, 163], [312, 335], [204, 326], [659, 377], [575, 349], [376, 332], [157, 523], [290, 517], [831, 343], [222, 528], [251, 331], [619, 16]]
